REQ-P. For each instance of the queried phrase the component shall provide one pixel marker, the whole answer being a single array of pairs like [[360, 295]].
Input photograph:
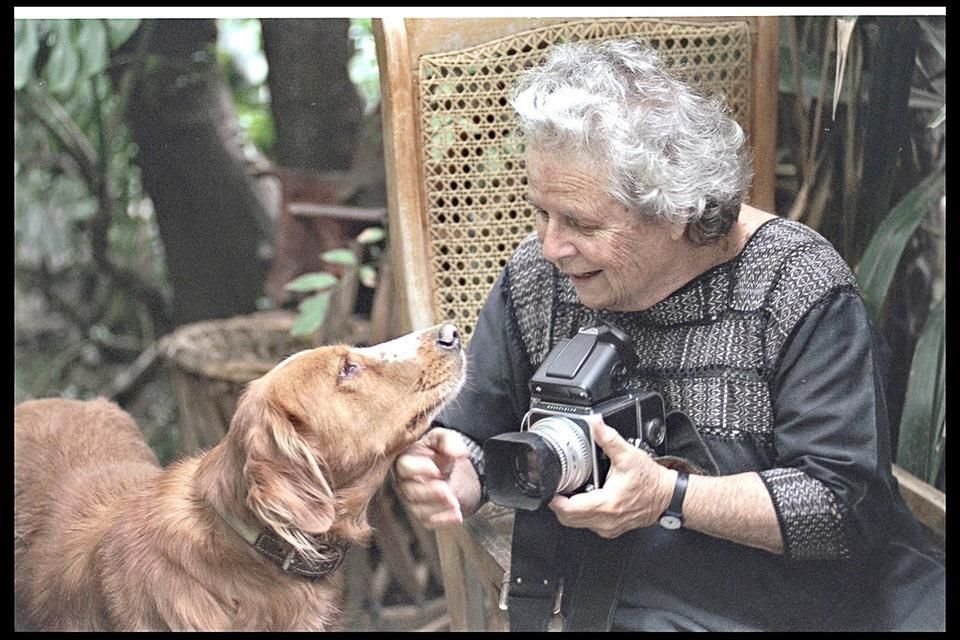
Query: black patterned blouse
[[773, 358]]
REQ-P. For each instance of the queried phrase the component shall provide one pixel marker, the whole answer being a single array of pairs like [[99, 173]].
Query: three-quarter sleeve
[[830, 434]]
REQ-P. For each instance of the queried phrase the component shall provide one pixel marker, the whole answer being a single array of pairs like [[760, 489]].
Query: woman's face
[[614, 259]]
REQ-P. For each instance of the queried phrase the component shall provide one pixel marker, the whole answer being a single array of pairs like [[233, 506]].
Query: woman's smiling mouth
[[578, 278]]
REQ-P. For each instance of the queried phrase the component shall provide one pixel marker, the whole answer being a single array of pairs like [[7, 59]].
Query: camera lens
[[526, 469], [526, 474], [570, 444]]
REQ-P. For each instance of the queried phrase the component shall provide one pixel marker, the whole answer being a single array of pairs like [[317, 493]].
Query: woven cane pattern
[[711, 349], [810, 517], [472, 157]]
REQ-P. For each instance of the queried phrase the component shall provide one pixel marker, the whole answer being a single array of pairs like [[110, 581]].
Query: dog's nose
[[448, 337]]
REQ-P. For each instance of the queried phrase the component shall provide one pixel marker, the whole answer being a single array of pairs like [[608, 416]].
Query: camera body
[[554, 451]]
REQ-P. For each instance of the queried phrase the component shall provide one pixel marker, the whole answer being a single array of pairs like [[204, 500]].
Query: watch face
[[670, 522]]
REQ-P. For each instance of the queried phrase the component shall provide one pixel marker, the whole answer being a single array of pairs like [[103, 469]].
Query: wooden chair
[[455, 184]]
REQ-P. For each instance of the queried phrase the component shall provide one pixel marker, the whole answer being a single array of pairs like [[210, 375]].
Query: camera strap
[[534, 569], [685, 442], [591, 599], [595, 574]]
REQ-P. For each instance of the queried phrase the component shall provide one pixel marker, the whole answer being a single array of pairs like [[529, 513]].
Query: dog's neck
[[218, 482], [331, 553]]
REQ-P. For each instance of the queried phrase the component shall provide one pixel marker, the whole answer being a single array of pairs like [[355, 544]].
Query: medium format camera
[[554, 451]]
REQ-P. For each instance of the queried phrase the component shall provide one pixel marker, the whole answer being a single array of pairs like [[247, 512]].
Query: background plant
[[93, 294], [360, 260], [862, 160], [85, 242]]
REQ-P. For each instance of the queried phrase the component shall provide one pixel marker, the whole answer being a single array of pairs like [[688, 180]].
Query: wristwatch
[[672, 518]]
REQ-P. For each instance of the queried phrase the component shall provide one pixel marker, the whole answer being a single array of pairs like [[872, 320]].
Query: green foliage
[[313, 311], [82, 223], [869, 153], [321, 285], [312, 282], [257, 122], [63, 65], [244, 66], [880, 260], [68, 131], [923, 427], [25, 47], [120, 30], [922, 433], [363, 68], [75, 50]]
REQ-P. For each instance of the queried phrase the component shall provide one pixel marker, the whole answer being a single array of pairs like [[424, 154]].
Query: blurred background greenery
[[93, 288]]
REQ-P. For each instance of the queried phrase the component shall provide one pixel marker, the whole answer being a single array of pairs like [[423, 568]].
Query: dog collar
[[332, 552]]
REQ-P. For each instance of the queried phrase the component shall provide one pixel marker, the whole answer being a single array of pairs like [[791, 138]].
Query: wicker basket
[[212, 361]]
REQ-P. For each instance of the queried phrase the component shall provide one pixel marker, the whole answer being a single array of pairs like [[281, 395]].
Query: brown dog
[[246, 536]]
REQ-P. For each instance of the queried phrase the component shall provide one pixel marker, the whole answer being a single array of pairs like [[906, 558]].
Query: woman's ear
[[286, 485]]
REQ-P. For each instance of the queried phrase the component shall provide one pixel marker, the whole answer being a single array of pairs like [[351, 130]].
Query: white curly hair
[[670, 152]]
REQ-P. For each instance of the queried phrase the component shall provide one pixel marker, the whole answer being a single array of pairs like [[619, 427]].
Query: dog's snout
[[448, 337]]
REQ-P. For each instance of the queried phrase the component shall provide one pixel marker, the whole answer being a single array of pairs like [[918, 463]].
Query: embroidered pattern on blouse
[[711, 347], [809, 515]]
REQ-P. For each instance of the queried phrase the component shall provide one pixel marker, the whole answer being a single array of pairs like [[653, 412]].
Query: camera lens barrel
[[571, 445], [526, 469]]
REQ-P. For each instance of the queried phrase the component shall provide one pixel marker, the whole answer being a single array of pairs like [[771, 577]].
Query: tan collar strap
[[332, 552]]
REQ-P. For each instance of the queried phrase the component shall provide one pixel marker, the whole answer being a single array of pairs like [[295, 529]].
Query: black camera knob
[[654, 432]]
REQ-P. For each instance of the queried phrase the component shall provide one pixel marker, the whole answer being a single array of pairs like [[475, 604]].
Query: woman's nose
[[556, 245]]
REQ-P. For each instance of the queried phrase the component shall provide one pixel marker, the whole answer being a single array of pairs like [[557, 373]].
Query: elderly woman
[[749, 324]]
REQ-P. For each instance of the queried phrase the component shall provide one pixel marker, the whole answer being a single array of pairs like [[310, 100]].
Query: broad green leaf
[[923, 423], [881, 257], [371, 235], [345, 257], [94, 51], [64, 63], [312, 282], [368, 276], [24, 51], [313, 311], [119, 31]]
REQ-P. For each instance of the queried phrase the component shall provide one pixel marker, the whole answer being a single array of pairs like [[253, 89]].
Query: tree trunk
[[887, 122], [316, 108], [210, 219], [317, 115]]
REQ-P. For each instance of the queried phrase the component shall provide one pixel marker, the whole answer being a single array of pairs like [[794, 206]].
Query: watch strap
[[675, 509]]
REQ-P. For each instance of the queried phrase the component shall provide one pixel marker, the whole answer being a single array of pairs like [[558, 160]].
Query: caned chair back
[[455, 176]]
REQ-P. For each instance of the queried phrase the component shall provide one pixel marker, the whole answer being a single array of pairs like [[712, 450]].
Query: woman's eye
[[582, 228]]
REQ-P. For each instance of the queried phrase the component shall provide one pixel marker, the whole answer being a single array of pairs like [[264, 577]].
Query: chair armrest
[[928, 503]]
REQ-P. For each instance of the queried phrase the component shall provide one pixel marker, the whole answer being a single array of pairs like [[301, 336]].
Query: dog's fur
[[107, 540]]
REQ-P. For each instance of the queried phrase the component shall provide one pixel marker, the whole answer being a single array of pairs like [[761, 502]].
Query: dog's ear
[[286, 486]]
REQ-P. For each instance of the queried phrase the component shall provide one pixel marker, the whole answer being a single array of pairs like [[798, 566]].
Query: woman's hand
[[636, 491], [436, 480]]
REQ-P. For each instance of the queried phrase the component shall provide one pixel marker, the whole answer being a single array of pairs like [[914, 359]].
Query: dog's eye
[[349, 369]]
